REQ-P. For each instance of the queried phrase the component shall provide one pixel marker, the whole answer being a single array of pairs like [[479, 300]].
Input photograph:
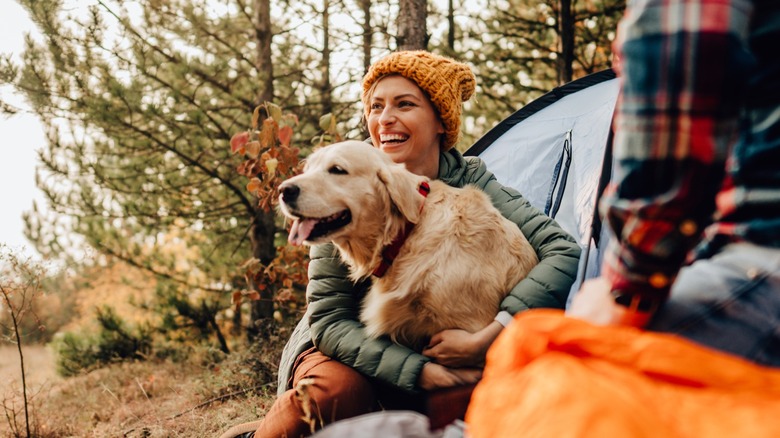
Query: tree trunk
[[412, 30], [238, 324], [368, 38], [566, 32], [263, 249], [327, 99], [367, 34], [263, 226], [263, 61], [451, 24]]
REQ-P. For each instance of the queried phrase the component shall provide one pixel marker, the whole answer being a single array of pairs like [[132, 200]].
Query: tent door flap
[[560, 175]]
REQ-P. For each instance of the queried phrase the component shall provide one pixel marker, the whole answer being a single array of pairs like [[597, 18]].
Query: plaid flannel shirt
[[697, 140]]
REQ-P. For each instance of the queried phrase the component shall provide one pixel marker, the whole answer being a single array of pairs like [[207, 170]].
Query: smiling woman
[[412, 105]]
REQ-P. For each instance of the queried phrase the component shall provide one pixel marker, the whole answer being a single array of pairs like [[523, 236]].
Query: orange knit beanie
[[448, 83]]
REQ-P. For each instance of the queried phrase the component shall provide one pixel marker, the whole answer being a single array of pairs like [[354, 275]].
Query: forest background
[[166, 287]]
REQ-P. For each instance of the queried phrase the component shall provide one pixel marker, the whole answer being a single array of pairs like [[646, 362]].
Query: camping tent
[[555, 152]]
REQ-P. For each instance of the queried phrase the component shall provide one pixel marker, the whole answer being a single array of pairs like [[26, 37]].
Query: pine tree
[[140, 104]]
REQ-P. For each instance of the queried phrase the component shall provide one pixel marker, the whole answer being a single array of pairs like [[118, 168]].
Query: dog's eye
[[337, 170]]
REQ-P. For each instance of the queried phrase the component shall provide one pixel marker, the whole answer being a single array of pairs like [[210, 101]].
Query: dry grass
[[152, 400], [201, 397]]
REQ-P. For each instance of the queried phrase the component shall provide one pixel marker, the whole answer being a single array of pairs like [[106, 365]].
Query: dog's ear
[[403, 188]]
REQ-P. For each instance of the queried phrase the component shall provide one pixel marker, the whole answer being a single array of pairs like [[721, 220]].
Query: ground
[[201, 396]]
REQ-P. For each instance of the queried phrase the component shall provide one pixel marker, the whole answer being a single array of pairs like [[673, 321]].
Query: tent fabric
[[529, 150], [549, 375]]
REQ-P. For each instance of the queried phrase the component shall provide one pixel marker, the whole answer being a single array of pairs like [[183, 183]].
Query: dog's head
[[349, 190]]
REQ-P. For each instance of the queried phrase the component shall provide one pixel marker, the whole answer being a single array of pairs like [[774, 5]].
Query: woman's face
[[403, 123]]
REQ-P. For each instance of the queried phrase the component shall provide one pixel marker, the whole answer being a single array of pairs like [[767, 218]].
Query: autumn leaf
[[238, 142], [325, 121], [285, 135], [274, 111], [254, 185], [268, 133], [253, 149], [271, 165], [256, 116], [254, 295]]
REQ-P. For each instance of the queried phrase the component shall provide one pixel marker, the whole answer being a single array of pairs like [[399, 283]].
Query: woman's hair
[[446, 82]]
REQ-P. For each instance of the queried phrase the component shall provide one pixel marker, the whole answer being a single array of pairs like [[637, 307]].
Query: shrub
[[75, 353], [114, 342]]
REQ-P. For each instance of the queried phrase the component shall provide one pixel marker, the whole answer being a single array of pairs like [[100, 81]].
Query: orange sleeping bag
[[552, 376]]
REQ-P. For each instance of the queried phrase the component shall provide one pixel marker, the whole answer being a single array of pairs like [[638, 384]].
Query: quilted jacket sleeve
[[334, 305], [548, 284]]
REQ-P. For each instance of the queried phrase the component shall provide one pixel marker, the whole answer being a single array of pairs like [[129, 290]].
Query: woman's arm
[[334, 302], [549, 282], [547, 285]]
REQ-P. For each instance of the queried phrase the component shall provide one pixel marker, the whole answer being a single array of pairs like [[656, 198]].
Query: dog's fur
[[457, 264]]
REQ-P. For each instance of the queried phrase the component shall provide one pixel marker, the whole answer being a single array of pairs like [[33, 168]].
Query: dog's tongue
[[300, 230]]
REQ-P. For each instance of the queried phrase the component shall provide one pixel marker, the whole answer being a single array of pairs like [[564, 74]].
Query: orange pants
[[336, 392]]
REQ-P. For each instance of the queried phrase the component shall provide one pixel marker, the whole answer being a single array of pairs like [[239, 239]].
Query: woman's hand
[[435, 376], [459, 348]]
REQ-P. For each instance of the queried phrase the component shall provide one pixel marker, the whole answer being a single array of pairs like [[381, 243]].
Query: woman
[[413, 103]]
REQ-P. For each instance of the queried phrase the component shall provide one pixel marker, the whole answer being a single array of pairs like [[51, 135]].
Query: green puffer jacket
[[331, 321]]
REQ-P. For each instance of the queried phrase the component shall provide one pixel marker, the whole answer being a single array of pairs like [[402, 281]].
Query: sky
[[20, 136]]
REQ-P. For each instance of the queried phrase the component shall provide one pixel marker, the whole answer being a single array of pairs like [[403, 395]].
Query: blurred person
[[680, 336], [697, 146]]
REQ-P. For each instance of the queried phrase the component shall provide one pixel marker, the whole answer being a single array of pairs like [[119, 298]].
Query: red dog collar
[[390, 252]]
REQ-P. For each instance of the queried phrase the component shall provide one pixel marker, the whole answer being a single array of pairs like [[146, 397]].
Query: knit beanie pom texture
[[448, 83]]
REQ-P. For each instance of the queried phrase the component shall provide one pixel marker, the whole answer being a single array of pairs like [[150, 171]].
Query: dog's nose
[[290, 193]]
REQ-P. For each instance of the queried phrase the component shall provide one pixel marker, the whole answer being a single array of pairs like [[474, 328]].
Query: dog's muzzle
[[289, 194], [308, 228]]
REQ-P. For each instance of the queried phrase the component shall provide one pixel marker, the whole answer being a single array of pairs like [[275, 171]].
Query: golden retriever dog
[[457, 257]]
